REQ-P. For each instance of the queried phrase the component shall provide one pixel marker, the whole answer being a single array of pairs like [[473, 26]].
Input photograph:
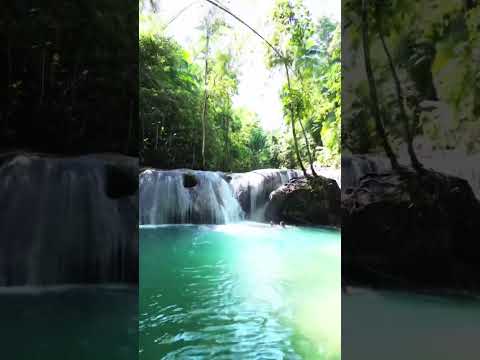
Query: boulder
[[306, 201], [411, 230]]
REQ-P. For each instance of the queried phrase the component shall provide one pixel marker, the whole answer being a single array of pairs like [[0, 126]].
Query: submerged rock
[[411, 230], [306, 201]]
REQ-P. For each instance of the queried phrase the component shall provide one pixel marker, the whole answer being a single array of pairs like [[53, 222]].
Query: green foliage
[[171, 94], [70, 71], [175, 83], [312, 50], [434, 47]]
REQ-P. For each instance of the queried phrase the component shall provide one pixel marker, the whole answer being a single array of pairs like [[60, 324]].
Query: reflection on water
[[245, 291], [398, 326], [69, 322]]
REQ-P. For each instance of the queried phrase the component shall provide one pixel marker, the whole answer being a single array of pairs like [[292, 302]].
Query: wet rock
[[189, 180], [306, 201], [120, 182], [411, 230]]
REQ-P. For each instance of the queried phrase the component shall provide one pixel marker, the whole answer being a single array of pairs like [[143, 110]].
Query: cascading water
[[187, 197], [355, 167], [203, 197], [59, 225], [253, 188]]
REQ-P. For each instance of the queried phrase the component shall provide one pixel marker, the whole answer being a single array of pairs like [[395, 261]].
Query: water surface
[[243, 291], [397, 325], [69, 322]]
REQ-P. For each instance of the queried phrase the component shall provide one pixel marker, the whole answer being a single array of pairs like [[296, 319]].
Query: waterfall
[[184, 196], [252, 189], [450, 162], [187, 196], [204, 197], [356, 166], [59, 224]]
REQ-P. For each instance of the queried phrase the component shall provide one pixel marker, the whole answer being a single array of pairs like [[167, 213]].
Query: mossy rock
[[306, 201]]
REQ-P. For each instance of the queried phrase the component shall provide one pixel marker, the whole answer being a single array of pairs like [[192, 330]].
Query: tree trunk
[[294, 133], [307, 143], [400, 101], [226, 158], [373, 90], [204, 116], [205, 97]]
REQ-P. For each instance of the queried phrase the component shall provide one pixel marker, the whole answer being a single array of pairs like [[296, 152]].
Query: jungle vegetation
[[411, 76], [69, 79], [187, 113]]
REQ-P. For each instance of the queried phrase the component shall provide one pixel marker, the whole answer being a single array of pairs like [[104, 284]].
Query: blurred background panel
[[411, 179], [69, 179]]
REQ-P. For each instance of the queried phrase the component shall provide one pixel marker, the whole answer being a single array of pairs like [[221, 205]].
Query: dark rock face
[[306, 201], [244, 199], [120, 182], [189, 180], [411, 230]]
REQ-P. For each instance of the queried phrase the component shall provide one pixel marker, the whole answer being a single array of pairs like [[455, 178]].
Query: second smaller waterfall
[[252, 189]]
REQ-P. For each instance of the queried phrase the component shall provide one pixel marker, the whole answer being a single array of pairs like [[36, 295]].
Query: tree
[[379, 11], [313, 53], [423, 61], [66, 87], [292, 30], [372, 87], [212, 26], [188, 103]]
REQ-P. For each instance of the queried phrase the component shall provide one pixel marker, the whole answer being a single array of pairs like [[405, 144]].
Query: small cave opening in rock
[[119, 182], [189, 180]]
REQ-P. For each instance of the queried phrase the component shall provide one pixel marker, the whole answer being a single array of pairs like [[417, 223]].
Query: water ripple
[[219, 298]]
